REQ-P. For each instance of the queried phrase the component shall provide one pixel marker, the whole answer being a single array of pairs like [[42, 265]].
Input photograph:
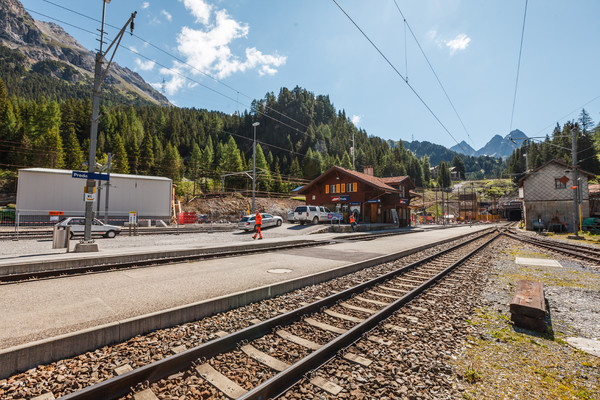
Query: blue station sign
[[93, 175], [340, 198], [335, 216]]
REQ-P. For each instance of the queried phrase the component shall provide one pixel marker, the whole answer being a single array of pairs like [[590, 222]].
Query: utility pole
[[107, 187], [254, 165], [575, 181], [87, 244], [352, 151]]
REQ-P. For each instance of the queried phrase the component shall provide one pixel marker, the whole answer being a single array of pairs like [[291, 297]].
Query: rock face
[[47, 43]]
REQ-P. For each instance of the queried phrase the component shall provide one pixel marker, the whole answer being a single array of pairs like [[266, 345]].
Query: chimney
[[369, 170]]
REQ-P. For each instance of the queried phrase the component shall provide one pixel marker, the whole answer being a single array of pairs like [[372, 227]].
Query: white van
[[313, 214]]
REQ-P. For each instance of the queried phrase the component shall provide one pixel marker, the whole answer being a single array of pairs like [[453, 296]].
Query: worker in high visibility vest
[[353, 222], [257, 225]]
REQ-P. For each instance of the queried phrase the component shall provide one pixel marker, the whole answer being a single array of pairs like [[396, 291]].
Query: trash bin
[[60, 237]]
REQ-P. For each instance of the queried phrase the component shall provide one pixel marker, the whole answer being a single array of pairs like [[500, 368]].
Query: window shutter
[[326, 189], [337, 188], [354, 189]]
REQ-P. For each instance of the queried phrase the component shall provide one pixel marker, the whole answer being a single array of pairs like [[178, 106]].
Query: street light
[[254, 164]]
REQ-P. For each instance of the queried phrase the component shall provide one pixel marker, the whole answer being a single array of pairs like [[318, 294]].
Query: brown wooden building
[[377, 200]]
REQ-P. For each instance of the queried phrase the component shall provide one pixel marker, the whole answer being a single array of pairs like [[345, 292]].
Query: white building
[[42, 192]]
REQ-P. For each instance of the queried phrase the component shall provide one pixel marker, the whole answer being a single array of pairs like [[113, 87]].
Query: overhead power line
[[518, 68], [397, 72], [179, 60], [406, 24]]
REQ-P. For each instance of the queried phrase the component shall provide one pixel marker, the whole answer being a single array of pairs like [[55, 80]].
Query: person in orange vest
[[258, 224], [353, 222]]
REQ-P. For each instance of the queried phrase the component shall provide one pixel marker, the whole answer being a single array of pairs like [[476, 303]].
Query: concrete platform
[[49, 319]]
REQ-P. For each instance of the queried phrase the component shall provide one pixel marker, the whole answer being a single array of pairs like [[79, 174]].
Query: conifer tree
[[120, 162], [133, 155], [146, 155], [171, 163], [73, 154]]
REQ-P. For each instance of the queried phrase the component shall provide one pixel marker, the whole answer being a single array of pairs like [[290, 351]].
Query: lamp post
[[254, 165]]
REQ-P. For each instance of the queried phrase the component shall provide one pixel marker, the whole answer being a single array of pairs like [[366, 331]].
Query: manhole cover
[[279, 271]]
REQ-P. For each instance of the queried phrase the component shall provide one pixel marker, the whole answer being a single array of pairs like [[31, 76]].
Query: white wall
[[41, 190]]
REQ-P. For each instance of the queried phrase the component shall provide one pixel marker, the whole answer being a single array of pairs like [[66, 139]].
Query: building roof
[[560, 163], [69, 172], [379, 183]]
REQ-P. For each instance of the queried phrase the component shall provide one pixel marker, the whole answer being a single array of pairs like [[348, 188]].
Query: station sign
[[340, 198], [374, 201], [335, 216], [93, 175]]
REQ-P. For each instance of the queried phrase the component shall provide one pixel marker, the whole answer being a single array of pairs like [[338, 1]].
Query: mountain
[[47, 49], [463, 148], [502, 147]]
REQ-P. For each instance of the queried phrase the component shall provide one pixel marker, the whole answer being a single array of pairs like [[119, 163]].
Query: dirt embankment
[[231, 207]]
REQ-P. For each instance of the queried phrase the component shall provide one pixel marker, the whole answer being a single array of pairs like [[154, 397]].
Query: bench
[[528, 306]]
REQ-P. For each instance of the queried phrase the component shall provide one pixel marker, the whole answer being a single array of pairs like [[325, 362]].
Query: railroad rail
[[570, 249], [332, 323]]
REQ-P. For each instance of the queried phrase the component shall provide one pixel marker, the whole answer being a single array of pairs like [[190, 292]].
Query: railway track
[[277, 352], [585, 253]]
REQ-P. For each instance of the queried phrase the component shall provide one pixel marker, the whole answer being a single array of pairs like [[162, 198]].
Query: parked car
[[313, 214], [77, 225], [247, 222]]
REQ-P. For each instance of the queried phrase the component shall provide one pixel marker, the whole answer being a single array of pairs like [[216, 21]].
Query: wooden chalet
[[377, 200]]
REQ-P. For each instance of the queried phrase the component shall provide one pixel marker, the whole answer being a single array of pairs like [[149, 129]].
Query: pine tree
[[120, 162], [171, 163], [146, 155], [133, 155], [73, 154], [459, 164]]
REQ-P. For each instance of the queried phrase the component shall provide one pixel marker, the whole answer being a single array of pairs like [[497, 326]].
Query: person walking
[[353, 222], [257, 225]]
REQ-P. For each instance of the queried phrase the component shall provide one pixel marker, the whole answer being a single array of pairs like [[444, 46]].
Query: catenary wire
[[397, 72], [512, 115], [432, 70]]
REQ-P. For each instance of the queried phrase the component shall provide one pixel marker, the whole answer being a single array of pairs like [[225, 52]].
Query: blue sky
[[255, 47]]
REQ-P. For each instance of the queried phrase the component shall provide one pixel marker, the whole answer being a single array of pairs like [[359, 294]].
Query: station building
[[547, 194], [377, 200]]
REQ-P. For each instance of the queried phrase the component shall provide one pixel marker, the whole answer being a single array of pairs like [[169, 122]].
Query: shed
[[42, 191]]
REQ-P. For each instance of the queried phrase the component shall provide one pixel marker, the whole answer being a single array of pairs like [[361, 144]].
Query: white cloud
[[200, 9], [145, 65], [168, 16], [208, 50], [145, 5], [460, 42], [355, 119]]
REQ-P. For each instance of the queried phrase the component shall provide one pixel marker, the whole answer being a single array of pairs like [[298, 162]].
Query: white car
[[311, 214], [77, 225], [247, 222]]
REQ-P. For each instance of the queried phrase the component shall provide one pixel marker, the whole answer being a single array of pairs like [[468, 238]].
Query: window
[[350, 187], [333, 189], [559, 183]]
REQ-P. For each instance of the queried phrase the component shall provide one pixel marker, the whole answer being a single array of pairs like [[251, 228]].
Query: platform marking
[[326, 385], [279, 271], [298, 340], [264, 358], [220, 381], [324, 326]]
